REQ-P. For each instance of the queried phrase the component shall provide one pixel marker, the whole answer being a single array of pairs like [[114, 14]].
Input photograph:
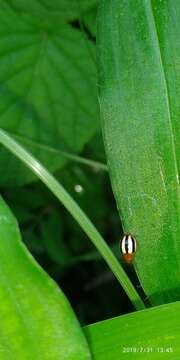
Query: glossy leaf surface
[[36, 319]]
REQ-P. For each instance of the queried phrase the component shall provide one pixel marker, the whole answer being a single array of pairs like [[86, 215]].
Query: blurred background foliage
[[49, 103]]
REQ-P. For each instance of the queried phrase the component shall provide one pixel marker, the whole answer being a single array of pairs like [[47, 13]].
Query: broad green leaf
[[89, 20], [47, 91], [139, 57], [148, 334], [53, 10], [36, 319]]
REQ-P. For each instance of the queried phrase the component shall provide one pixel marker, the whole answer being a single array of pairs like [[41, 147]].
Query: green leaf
[[36, 319], [47, 91], [89, 20], [139, 99], [53, 10], [65, 198], [148, 334]]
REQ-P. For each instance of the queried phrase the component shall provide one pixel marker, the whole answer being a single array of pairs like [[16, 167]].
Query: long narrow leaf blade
[[139, 57], [148, 334], [85, 223]]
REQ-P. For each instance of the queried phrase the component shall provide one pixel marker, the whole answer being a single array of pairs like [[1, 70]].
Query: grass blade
[[58, 190]]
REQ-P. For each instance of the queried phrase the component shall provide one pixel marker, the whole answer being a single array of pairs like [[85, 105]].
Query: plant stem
[[96, 165]]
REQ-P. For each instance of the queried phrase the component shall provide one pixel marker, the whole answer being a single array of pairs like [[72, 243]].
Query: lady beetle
[[128, 248]]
